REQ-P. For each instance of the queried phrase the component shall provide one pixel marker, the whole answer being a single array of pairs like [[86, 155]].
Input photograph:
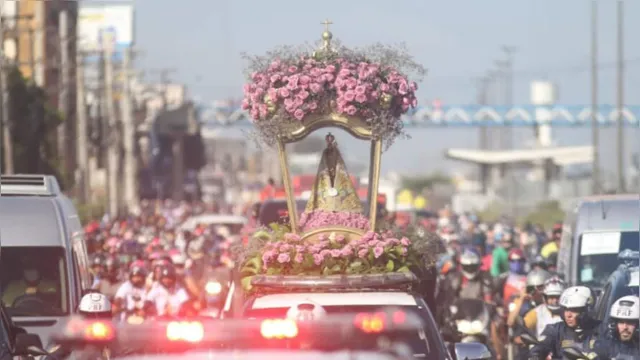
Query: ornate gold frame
[[359, 129]]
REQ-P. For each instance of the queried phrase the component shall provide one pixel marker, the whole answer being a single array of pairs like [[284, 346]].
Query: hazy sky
[[456, 40]]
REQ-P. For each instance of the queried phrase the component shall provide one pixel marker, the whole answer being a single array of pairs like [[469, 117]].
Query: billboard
[[95, 20]]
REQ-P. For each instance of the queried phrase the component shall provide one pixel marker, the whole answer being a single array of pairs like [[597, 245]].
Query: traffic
[[329, 274]]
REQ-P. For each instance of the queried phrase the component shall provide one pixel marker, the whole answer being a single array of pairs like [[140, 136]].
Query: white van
[[44, 267]]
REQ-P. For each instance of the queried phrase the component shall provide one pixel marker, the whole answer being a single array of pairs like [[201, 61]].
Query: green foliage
[[547, 213], [492, 212], [419, 183], [91, 211], [33, 128]]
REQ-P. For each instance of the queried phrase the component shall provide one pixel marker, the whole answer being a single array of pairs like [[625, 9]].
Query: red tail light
[[278, 329], [371, 323], [185, 331], [99, 331]]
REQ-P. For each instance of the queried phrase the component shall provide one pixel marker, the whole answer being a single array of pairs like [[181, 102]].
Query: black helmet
[[168, 272]]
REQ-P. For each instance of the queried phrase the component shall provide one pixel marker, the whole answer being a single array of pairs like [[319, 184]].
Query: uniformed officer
[[624, 336], [576, 329]]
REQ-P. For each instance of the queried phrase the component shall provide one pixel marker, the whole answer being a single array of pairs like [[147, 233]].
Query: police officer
[[623, 323], [577, 327], [94, 306]]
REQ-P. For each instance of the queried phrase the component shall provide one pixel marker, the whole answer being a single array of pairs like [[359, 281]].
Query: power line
[[563, 70]]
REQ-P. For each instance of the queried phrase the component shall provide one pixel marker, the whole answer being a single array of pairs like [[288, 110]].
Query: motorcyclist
[[577, 327], [512, 283], [530, 298], [93, 306], [97, 268], [168, 297], [130, 297], [548, 312], [110, 283], [623, 325]]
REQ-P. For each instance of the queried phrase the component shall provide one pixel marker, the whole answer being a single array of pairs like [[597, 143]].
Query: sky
[[456, 40]]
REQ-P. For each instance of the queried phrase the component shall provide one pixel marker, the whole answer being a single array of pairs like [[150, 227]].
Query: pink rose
[[351, 110], [284, 258], [317, 259], [284, 93], [299, 114], [377, 252], [292, 69], [303, 95], [315, 88], [336, 253], [349, 96], [362, 253], [405, 242], [298, 258], [383, 87], [313, 105], [361, 98]]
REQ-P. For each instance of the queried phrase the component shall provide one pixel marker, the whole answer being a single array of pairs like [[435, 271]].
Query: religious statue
[[333, 188]]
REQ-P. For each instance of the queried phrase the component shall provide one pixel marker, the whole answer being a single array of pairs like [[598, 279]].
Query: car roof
[[272, 301], [213, 219], [614, 213], [268, 354], [30, 221]]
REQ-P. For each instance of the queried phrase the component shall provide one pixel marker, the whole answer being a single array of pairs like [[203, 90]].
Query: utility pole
[[501, 79], [483, 87], [5, 122], [128, 129], [509, 52], [620, 99], [112, 136], [63, 97], [82, 144], [594, 98]]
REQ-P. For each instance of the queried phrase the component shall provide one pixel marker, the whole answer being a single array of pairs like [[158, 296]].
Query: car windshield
[[420, 343], [599, 255], [276, 211], [34, 281]]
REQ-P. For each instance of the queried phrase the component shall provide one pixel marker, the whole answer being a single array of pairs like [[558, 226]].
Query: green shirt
[[499, 261]]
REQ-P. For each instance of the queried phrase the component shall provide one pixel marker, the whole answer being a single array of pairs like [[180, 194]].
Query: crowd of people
[[145, 265]]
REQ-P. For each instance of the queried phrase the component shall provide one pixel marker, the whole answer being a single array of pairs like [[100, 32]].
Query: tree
[[420, 183], [33, 128]]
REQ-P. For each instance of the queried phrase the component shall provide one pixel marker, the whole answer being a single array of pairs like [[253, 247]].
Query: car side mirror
[[29, 344], [472, 351]]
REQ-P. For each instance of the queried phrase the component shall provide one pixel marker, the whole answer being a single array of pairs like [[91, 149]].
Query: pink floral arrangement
[[372, 84], [337, 254], [318, 218], [356, 89]]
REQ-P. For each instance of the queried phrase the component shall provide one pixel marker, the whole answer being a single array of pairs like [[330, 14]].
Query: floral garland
[[310, 220], [333, 254], [285, 87]]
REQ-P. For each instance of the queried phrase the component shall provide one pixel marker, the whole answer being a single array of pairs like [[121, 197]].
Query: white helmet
[[95, 305], [537, 277], [553, 287], [306, 311], [626, 308], [179, 259], [576, 297]]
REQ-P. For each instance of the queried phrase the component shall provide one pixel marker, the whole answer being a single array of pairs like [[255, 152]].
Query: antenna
[[604, 212]]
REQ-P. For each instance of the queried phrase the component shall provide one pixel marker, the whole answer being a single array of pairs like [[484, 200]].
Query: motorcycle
[[472, 320]]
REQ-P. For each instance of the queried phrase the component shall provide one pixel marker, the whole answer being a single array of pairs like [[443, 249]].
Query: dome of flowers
[[287, 85]]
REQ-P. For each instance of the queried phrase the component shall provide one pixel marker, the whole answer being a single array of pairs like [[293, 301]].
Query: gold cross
[[326, 24]]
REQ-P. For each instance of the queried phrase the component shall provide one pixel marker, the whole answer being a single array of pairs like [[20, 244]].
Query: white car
[[354, 298]]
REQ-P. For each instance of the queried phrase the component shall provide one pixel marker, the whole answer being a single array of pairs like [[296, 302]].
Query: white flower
[[332, 236]]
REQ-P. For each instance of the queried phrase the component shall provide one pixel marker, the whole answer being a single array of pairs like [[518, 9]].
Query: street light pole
[[620, 99], [594, 98]]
